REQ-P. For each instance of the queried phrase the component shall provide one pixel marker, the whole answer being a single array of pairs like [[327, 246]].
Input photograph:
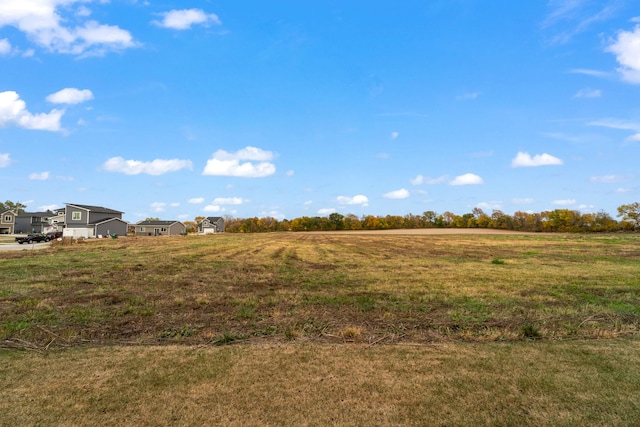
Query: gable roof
[[35, 214], [214, 218], [99, 209], [157, 222], [102, 221]]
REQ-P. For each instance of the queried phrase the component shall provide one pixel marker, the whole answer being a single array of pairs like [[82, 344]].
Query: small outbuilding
[[159, 228]]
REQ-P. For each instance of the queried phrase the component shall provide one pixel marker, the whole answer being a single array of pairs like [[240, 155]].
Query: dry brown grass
[[311, 286], [323, 329], [453, 384]]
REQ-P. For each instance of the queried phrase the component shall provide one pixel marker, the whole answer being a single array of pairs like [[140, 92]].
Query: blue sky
[[178, 109]]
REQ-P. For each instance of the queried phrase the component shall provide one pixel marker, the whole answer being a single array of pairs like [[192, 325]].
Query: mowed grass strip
[[321, 287], [525, 383]]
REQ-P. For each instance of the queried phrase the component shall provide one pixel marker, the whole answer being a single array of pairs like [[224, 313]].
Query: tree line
[[558, 220]]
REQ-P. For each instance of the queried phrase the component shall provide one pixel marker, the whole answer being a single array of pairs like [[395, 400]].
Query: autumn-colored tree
[[190, 226], [630, 215]]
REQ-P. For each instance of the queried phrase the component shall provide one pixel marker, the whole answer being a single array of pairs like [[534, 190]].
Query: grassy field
[[323, 328]]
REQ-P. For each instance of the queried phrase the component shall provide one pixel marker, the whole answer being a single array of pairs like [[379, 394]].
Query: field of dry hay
[[323, 328]]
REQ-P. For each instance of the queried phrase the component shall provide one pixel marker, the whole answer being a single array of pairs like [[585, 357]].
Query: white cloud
[[418, 180], [394, 135], [46, 208], [5, 47], [470, 95], [402, 193], [326, 211], [158, 206], [136, 167], [626, 48], [592, 73], [184, 19], [43, 23], [228, 201], [564, 202], [467, 179], [39, 176], [174, 205], [5, 160], [523, 159], [273, 214], [355, 200], [224, 163], [588, 93], [633, 138], [607, 179], [212, 208], [621, 125], [83, 11], [13, 111], [567, 18], [522, 201], [290, 173], [493, 205], [196, 200], [623, 190], [70, 95]]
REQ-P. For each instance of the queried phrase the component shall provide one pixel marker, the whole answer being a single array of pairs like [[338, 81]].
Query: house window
[[163, 229], [76, 216], [7, 218], [142, 229]]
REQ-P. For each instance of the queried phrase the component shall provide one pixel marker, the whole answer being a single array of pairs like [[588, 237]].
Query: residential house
[[56, 220], [7, 222], [32, 222], [159, 228], [93, 221], [211, 224]]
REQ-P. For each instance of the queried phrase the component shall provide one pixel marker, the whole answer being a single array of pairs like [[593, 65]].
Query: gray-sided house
[[93, 221], [56, 220], [32, 222], [7, 222], [159, 228], [211, 224]]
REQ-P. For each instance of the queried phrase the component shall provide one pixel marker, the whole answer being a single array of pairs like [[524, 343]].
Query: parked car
[[53, 235], [32, 238]]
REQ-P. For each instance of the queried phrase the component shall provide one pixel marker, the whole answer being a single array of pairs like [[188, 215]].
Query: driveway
[[24, 246]]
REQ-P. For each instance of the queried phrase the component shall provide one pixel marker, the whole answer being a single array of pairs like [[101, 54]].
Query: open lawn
[[323, 328]]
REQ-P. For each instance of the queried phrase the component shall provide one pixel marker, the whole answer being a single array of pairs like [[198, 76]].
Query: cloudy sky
[[178, 109]]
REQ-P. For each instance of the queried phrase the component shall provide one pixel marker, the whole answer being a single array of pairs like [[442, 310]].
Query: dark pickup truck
[[32, 238]]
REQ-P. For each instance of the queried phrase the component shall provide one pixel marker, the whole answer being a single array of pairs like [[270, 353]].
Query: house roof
[[35, 214], [100, 209], [101, 221], [158, 222], [214, 218]]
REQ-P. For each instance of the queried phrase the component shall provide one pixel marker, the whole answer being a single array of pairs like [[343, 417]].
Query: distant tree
[[13, 206], [191, 226], [630, 215], [337, 221], [429, 218], [152, 219]]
